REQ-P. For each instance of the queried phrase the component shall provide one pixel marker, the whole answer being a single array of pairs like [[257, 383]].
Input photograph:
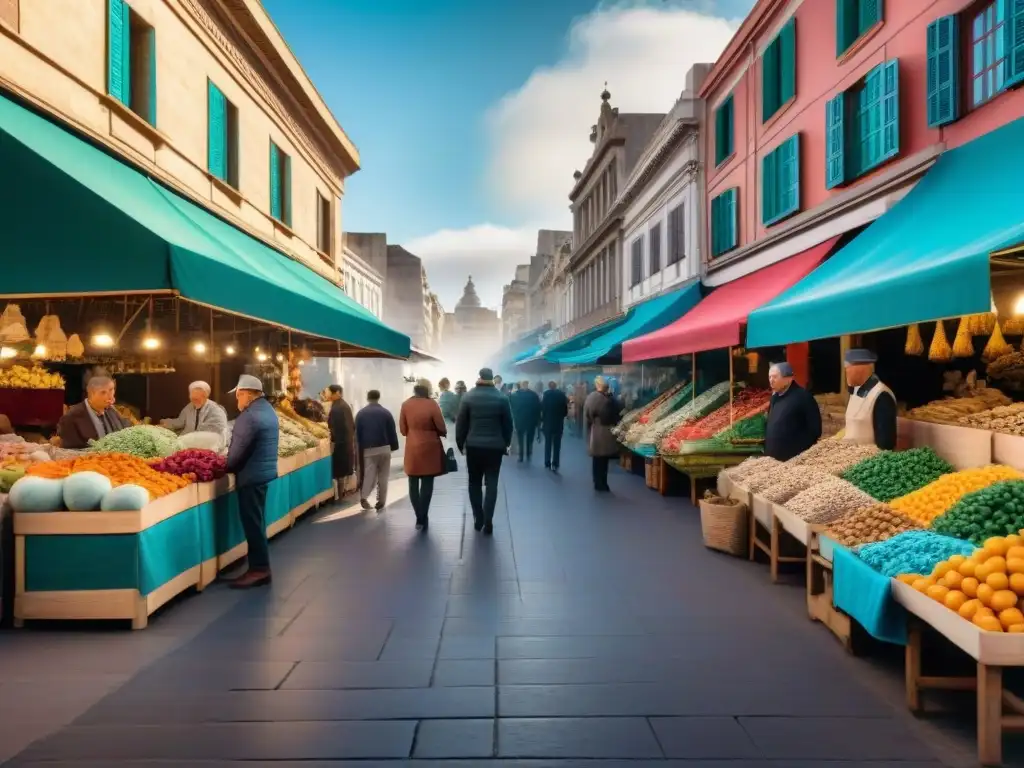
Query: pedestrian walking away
[[342, 427], [377, 439], [448, 402], [525, 417], [483, 433], [252, 459], [601, 413], [423, 426], [554, 408]]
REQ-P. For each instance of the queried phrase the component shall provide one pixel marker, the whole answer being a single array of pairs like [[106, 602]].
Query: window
[[676, 235], [988, 52], [131, 60], [280, 185], [780, 181], [862, 126], [855, 18], [655, 249], [724, 131], [724, 236], [221, 136], [323, 224], [778, 71], [637, 256]]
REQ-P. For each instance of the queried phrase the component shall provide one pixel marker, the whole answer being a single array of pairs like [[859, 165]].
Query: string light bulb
[[151, 343], [6, 353], [102, 340], [40, 351], [261, 357], [199, 348], [230, 350]]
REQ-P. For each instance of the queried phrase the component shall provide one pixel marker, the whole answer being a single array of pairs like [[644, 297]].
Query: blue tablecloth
[[866, 595]]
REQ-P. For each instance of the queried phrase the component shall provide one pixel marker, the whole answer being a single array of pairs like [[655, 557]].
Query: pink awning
[[716, 322]]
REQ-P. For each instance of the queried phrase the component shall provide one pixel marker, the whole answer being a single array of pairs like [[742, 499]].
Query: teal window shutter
[[769, 187], [723, 131], [275, 182], [943, 66], [217, 133], [869, 123], [152, 77], [846, 25], [729, 126], [787, 62], [835, 141], [716, 227], [731, 239], [890, 108], [119, 71], [788, 172], [1014, 32], [286, 186], [869, 14], [770, 80]]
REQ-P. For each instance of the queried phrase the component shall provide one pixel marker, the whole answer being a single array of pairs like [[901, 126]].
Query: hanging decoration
[[940, 351], [996, 347], [963, 344], [914, 345]]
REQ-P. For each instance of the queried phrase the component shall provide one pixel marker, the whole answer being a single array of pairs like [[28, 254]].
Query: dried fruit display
[[994, 511], [750, 466], [876, 522], [1008, 419], [951, 410], [792, 481], [828, 501], [926, 504], [193, 464], [912, 552], [834, 456], [891, 474], [1009, 367]]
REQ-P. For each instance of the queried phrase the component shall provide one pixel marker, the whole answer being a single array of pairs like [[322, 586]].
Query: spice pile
[[912, 552], [927, 503], [751, 466], [877, 522], [891, 474], [144, 441], [828, 501], [994, 511], [951, 410], [1008, 419], [833, 456]]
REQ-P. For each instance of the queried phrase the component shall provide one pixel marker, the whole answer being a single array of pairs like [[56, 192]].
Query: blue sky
[[431, 91]]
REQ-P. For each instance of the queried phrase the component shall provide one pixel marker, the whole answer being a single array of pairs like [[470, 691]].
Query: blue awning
[[643, 318], [573, 344], [527, 354], [926, 259]]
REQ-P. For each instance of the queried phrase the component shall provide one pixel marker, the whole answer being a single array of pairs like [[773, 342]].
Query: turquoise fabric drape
[[866, 595]]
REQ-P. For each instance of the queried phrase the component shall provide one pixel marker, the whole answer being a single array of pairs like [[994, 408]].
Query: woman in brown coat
[[423, 426]]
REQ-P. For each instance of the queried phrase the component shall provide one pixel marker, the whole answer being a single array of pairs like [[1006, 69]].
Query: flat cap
[[860, 357]]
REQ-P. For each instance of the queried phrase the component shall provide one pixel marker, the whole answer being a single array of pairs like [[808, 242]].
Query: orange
[[1002, 600], [1015, 552], [967, 567], [1011, 616], [969, 608], [1013, 540], [956, 560], [998, 581], [939, 592], [996, 545], [982, 571], [985, 593], [1016, 629], [988, 623], [1017, 583], [955, 599], [996, 564], [908, 578], [941, 569], [921, 585], [969, 586], [1015, 565], [952, 579]]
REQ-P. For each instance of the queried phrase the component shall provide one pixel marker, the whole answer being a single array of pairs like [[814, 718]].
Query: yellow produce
[[1010, 617], [940, 351], [969, 586], [955, 600], [1017, 629], [914, 345], [924, 505], [963, 343], [996, 347], [36, 377], [985, 593], [988, 622], [953, 580], [1002, 600], [1017, 583], [998, 581], [969, 608], [937, 592]]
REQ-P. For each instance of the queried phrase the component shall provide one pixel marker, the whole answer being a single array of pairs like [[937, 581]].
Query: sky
[[470, 116]]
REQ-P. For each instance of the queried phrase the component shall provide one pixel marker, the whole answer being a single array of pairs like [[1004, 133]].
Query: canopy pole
[[214, 355], [844, 347], [693, 375], [730, 387]]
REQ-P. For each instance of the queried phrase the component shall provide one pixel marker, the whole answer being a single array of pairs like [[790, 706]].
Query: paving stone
[[454, 738], [566, 737], [823, 738], [464, 672], [406, 648], [703, 738], [467, 647], [312, 675]]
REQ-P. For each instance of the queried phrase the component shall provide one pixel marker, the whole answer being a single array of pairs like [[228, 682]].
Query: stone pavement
[[589, 632]]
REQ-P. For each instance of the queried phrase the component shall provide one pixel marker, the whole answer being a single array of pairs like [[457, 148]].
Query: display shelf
[[1008, 450], [963, 447], [820, 591], [793, 524]]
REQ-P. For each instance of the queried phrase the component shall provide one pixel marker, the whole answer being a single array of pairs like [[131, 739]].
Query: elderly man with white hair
[[201, 414], [794, 421]]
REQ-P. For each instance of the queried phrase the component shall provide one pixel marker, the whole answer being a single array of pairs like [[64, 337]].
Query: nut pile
[[877, 522], [758, 481], [951, 410], [750, 466], [833, 456], [792, 481], [1008, 419], [828, 501]]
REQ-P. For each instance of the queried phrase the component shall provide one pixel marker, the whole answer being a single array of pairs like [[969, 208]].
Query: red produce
[[202, 464]]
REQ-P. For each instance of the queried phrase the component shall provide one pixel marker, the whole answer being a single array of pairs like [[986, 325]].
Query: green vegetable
[[997, 510], [891, 474], [144, 441]]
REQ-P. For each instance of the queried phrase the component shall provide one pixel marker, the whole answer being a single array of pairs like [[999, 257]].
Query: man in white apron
[[871, 412]]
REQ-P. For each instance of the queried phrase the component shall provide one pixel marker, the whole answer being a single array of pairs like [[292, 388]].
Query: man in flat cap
[[794, 421], [871, 412]]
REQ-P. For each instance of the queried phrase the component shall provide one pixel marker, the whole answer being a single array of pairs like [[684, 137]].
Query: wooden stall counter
[[963, 447]]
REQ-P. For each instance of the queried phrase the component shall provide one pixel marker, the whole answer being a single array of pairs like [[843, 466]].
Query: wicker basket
[[725, 527]]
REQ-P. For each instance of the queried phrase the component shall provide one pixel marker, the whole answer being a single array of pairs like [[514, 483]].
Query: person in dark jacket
[[601, 412], [526, 417], [483, 432], [93, 418], [794, 421], [342, 427], [554, 408], [448, 401], [252, 459], [377, 439]]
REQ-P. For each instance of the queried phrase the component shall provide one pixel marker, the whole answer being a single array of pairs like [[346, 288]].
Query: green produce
[[891, 474], [9, 476], [997, 510], [144, 441]]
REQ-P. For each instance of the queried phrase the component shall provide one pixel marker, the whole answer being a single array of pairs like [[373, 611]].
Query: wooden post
[[844, 347], [730, 386], [990, 715]]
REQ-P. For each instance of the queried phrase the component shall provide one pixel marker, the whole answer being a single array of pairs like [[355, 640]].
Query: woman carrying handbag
[[422, 424]]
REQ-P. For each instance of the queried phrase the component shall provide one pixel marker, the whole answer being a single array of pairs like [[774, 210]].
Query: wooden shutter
[[1014, 34], [119, 73], [152, 77], [769, 187], [321, 241], [835, 141], [286, 186], [729, 214], [869, 123], [217, 133], [890, 108], [869, 13], [275, 182], [943, 75], [846, 25], [788, 175], [770, 80], [787, 62]]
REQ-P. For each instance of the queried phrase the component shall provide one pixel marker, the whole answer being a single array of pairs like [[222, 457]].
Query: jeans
[[421, 490], [600, 471], [252, 502], [552, 448], [483, 466], [526, 437]]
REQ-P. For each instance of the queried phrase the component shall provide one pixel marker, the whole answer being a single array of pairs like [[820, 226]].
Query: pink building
[[823, 113]]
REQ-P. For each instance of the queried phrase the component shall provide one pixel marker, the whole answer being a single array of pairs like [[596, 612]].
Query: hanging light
[[261, 357], [229, 350], [150, 343], [6, 353], [102, 340], [199, 348], [280, 357], [1018, 306], [40, 351]]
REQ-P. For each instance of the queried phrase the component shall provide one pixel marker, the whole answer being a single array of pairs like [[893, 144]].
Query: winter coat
[[342, 427], [525, 409], [252, 457], [375, 428], [601, 413], [485, 419], [554, 407], [421, 423], [449, 405]]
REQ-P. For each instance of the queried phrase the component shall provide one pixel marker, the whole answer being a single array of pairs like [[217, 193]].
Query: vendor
[[794, 421], [201, 414], [92, 419], [871, 412]]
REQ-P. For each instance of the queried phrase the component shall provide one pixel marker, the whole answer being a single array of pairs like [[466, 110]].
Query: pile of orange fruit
[[925, 504], [985, 588]]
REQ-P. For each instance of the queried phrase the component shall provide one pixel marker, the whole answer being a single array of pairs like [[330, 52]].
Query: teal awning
[[643, 318], [926, 259], [526, 355], [573, 344], [76, 221]]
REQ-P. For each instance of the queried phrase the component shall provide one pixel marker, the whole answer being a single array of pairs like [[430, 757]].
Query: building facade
[[662, 203], [204, 96], [515, 305], [363, 283], [471, 329], [821, 116], [407, 296], [541, 310], [619, 141]]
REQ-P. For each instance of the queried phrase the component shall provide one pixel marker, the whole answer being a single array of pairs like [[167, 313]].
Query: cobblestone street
[[587, 629]]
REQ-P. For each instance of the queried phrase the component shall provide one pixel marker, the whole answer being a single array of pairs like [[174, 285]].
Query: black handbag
[[450, 464]]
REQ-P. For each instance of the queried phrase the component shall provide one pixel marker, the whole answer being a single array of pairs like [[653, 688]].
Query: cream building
[[202, 95]]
